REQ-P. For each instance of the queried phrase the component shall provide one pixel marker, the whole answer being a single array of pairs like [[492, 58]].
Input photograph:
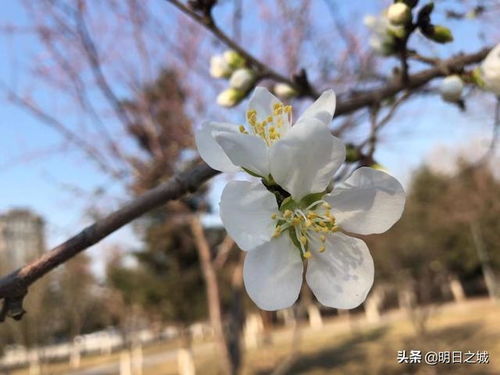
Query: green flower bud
[[230, 97], [234, 59], [440, 34]]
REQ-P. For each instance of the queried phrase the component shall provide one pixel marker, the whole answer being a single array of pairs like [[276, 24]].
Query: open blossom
[[295, 216], [269, 145], [279, 238], [490, 70]]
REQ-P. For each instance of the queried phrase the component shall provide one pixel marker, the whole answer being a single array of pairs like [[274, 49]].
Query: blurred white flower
[[382, 39], [451, 88], [399, 14], [490, 70], [278, 239], [269, 140], [284, 90], [229, 97], [242, 79], [219, 68]]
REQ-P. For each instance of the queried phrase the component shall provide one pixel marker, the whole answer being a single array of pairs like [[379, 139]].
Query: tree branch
[[14, 287], [375, 96]]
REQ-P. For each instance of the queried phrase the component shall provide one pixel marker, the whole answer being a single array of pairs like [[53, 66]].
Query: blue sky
[[32, 175]]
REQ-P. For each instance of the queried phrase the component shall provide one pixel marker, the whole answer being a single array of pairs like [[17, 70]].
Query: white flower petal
[[245, 210], [246, 150], [273, 274], [305, 160], [262, 101], [369, 201], [322, 109], [342, 275], [209, 149]]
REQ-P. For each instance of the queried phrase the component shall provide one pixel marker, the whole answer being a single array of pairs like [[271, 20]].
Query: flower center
[[271, 127], [302, 223]]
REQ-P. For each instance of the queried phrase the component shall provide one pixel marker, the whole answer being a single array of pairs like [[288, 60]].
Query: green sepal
[[352, 153], [476, 78], [311, 198], [295, 240], [251, 173], [288, 204]]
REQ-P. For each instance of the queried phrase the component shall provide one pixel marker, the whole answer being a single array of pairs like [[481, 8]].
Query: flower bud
[[242, 79], [451, 88], [441, 34], [490, 70], [219, 68], [234, 59], [399, 14], [230, 97], [284, 90]]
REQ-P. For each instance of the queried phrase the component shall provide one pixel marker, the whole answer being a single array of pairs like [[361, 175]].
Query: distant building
[[21, 238]]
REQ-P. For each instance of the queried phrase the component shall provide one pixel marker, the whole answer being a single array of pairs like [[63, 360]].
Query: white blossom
[[295, 215], [279, 239], [399, 14], [269, 143], [219, 68], [490, 70], [242, 79], [451, 88]]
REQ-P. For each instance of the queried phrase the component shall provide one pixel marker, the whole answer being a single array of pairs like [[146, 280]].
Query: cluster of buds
[[241, 79], [392, 28], [486, 76]]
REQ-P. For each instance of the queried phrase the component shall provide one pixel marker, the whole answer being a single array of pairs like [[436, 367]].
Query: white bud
[[284, 90], [219, 68], [234, 59], [451, 88], [399, 14], [490, 70], [229, 97], [242, 79]]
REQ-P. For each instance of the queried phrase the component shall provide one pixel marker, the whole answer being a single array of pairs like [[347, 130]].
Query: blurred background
[[98, 104]]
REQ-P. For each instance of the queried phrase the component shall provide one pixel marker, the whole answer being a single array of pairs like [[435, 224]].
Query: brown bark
[[213, 295]]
